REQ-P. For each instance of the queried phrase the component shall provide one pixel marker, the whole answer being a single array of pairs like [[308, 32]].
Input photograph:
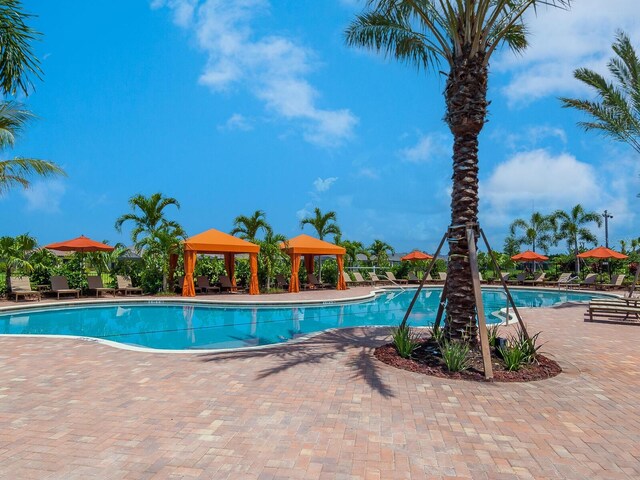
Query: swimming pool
[[173, 325]]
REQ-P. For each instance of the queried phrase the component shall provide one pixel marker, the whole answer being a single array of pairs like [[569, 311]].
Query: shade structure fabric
[[603, 252], [307, 246], [415, 256], [529, 256], [80, 244], [215, 241]]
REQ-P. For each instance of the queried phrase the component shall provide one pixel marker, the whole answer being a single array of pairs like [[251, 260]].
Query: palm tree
[[148, 216], [353, 248], [158, 247], [248, 227], [538, 232], [616, 113], [463, 34], [571, 227], [14, 252], [324, 224], [16, 171], [381, 250], [270, 252]]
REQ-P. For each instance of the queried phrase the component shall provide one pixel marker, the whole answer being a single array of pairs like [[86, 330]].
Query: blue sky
[[259, 104]]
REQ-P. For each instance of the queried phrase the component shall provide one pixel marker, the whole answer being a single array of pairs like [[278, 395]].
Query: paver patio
[[324, 408]]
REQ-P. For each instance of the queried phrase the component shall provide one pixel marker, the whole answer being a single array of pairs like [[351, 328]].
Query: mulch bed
[[427, 360]]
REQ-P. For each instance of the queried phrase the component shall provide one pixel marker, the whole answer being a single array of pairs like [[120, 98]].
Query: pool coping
[[213, 302]]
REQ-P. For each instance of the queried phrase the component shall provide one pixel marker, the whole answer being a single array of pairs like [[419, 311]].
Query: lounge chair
[[126, 287], [358, 277], [348, 280], [616, 282], [375, 280], [60, 285], [178, 282], [505, 277], [21, 287], [282, 282], [482, 280], [203, 285], [412, 278], [225, 284], [312, 282], [95, 283], [519, 280], [393, 278], [565, 280], [590, 280], [538, 278], [442, 278]]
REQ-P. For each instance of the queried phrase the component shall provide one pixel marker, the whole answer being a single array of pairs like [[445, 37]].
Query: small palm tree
[[324, 223], [462, 35], [148, 216], [572, 228], [616, 113], [270, 253], [17, 171], [247, 228], [381, 250], [14, 253], [17, 60], [353, 248], [538, 232], [160, 245]]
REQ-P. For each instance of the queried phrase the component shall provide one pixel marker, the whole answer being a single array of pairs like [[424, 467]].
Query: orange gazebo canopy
[[80, 244], [215, 241], [416, 255], [304, 244], [529, 256], [603, 252]]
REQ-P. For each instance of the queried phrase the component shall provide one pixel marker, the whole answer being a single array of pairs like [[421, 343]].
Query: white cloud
[[561, 41], [44, 196], [323, 185], [427, 148], [367, 172], [528, 138], [273, 68], [236, 122]]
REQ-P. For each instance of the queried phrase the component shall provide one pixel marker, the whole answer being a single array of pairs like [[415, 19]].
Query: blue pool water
[[176, 326]]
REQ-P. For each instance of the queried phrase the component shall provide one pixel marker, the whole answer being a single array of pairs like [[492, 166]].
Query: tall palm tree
[[538, 232], [463, 34], [248, 227], [148, 216], [17, 60], [324, 223], [572, 228], [381, 250], [616, 113], [17, 171]]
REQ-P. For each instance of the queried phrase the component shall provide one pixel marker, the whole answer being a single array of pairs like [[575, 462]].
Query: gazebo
[[215, 241], [308, 247]]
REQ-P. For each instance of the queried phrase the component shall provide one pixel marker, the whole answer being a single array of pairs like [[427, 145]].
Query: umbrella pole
[[424, 278]]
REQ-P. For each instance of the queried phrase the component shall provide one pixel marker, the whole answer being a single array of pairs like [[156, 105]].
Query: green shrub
[[529, 347], [513, 356], [437, 332], [405, 340], [493, 331], [455, 355]]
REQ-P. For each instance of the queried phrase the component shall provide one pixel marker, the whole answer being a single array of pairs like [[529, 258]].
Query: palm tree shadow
[[357, 344]]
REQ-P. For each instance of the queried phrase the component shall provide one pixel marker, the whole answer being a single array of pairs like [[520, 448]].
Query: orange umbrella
[[415, 256], [602, 253], [529, 256], [80, 244]]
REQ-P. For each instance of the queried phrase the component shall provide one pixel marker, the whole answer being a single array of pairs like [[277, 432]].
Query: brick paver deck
[[322, 409]]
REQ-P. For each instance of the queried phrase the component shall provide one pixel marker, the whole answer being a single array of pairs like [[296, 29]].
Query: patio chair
[[442, 277], [225, 284], [519, 280], [21, 287], [95, 283], [282, 282], [565, 280], [393, 278], [412, 278], [359, 278], [538, 278], [312, 282], [60, 285], [375, 280], [505, 277], [590, 280], [178, 282], [203, 285], [348, 280], [616, 282], [125, 286]]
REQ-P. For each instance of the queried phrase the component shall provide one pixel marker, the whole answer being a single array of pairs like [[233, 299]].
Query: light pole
[[606, 227]]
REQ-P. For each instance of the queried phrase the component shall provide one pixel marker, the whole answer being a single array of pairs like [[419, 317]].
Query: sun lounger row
[[21, 287], [614, 309]]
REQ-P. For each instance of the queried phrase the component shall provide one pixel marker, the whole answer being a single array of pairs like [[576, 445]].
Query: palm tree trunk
[[466, 98]]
